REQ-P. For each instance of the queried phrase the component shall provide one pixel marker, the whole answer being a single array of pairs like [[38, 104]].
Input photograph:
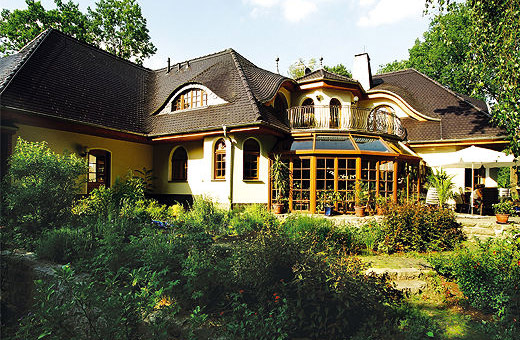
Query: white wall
[[200, 179]]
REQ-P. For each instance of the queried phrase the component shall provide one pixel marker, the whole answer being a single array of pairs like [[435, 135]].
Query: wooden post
[[358, 179], [395, 181], [313, 185]]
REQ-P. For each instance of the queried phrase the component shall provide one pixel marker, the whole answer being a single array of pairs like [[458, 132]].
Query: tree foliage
[[120, 26], [114, 25], [494, 58], [297, 69], [19, 27], [339, 69], [443, 53]]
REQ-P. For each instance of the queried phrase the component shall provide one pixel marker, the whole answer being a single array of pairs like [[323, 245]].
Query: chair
[[484, 200]]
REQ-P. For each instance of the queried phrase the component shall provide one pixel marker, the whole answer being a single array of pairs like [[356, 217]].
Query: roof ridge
[[207, 56], [453, 93], [244, 81], [398, 71], [30, 51]]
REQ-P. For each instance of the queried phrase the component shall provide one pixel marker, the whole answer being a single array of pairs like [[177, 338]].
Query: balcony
[[347, 118]]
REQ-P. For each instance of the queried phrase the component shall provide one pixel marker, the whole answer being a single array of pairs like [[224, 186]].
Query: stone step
[[399, 273], [410, 286]]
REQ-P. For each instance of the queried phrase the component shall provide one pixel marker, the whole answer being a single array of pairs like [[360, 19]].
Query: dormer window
[[190, 99]]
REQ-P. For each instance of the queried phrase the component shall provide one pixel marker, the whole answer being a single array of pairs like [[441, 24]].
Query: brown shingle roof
[[61, 77], [323, 74], [461, 117], [68, 79]]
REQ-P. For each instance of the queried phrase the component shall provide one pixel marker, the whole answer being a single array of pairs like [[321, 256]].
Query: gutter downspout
[[231, 165]]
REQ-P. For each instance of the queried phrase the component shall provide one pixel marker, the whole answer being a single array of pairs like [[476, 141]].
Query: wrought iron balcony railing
[[345, 118]]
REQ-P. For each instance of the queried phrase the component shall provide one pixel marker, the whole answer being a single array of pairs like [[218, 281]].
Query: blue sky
[[262, 30]]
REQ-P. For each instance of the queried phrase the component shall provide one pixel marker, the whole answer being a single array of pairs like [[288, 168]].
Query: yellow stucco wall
[[200, 179], [125, 155], [345, 97]]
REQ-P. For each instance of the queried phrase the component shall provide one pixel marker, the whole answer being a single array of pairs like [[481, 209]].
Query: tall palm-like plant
[[280, 176], [444, 185]]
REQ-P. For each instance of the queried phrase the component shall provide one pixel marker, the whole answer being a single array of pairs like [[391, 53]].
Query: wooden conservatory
[[344, 150]]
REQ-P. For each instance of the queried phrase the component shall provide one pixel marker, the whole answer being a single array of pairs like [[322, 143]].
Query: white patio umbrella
[[476, 157]]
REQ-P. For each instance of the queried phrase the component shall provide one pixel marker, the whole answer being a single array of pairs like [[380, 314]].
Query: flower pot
[[360, 211], [328, 211], [502, 218], [379, 210], [277, 208]]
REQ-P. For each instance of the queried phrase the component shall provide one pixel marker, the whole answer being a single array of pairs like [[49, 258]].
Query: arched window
[[335, 109], [251, 159], [308, 102], [98, 169], [180, 165], [220, 159], [189, 99], [280, 105]]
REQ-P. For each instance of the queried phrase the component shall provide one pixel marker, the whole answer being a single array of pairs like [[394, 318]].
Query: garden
[[131, 268]]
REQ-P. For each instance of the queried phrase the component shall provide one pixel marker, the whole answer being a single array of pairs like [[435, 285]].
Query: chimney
[[361, 70], [169, 67]]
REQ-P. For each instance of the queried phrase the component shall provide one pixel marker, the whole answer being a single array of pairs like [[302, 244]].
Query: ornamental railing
[[345, 118]]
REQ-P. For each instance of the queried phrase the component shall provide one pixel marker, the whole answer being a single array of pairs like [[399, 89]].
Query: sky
[[263, 30]]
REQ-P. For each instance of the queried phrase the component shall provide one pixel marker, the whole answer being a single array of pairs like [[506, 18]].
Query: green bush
[[63, 245], [76, 307], [416, 227], [253, 218], [320, 233], [370, 235], [207, 215], [489, 276], [41, 187]]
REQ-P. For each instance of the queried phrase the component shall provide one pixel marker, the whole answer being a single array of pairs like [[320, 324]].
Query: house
[[211, 125]]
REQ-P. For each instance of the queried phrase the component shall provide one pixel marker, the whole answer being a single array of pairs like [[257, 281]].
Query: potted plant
[[381, 202], [280, 178], [503, 210], [443, 185], [503, 182], [362, 197], [327, 201]]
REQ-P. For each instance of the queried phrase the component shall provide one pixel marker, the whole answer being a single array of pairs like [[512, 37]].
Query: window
[[280, 105], [381, 119], [220, 159], [251, 159], [190, 99], [335, 108], [98, 169], [180, 165]]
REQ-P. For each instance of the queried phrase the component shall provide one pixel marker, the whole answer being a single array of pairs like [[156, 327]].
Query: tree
[[115, 25], [494, 59], [41, 186], [339, 69], [393, 66], [120, 26], [19, 27], [297, 69], [443, 54]]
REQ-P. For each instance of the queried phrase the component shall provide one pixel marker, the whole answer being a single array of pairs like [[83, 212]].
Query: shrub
[[370, 235], [327, 295], [41, 186], [206, 215], [415, 227], [489, 276], [73, 307], [62, 245], [320, 232], [253, 218]]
